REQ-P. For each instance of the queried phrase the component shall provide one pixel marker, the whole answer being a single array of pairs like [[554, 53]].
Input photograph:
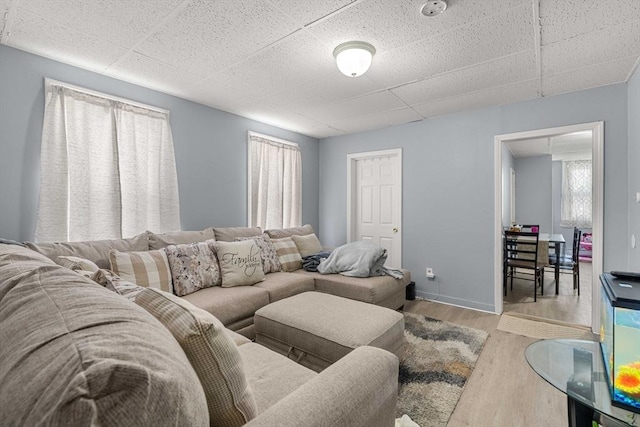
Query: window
[[107, 168], [275, 190], [576, 194]]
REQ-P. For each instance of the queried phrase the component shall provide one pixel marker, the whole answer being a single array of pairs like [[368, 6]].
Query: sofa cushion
[[240, 263], [229, 234], [307, 244], [230, 305], [94, 250], [144, 268], [76, 263], [284, 285], [368, 289], [193, 266], [268, 254], [288, 253], [212, 353], [279, 233], [271, 375], [159, 241], [74, 353]]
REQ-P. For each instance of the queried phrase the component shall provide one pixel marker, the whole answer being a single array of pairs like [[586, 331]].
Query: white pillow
[[240, 263]]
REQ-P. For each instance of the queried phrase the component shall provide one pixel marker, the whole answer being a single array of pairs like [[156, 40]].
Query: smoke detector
[[433, 8]]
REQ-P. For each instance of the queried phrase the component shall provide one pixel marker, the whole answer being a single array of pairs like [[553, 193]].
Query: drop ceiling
[[568, 146], [271, 60]]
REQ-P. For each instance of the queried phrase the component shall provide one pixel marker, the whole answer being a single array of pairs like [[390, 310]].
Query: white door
[[376, 201]]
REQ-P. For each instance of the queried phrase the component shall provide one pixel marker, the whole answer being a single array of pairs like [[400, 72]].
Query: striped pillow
[[149, 269], [288, 254], [212, 353]]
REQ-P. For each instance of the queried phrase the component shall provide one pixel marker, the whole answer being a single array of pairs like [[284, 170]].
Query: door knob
[[395, 229]]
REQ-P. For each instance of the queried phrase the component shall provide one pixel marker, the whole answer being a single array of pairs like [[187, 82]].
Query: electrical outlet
[[429, 273]]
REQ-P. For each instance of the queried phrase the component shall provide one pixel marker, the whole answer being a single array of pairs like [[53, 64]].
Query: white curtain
[[107, 169], [576, 194], [275, 183]]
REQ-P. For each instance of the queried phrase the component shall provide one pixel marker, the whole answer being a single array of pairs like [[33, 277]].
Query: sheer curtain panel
[[575, 210], [275, 183], [107, 169]]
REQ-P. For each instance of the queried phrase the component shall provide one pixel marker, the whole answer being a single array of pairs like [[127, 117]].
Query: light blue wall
[[448, 194], [210, 147], [533, 192], [634, 168]]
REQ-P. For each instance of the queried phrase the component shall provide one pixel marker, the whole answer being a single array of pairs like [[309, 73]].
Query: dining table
[[558, 241]]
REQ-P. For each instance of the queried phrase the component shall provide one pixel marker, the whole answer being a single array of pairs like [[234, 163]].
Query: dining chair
[[571, 262], [520, 251]]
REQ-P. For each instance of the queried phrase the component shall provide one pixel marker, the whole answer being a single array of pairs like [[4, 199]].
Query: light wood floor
[[567, 306], [502, 390]]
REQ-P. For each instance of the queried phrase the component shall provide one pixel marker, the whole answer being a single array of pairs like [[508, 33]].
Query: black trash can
[[411, 291]]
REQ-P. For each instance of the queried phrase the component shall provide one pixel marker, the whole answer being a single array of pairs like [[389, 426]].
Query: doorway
[[374, 201], [529, 139]]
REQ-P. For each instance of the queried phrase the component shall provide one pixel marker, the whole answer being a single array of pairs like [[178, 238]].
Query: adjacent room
[[331, 213]]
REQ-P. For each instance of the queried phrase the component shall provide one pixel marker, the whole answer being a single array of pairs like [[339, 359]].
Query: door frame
[[597, 206], [352, 158]]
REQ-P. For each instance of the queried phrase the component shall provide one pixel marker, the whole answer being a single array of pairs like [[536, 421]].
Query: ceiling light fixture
[[433, 8], [354, 58]]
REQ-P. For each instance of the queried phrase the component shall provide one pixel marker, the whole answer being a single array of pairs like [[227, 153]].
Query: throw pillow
[[212, 353], [111, 281], [307, 245], [193, 266], [76, 263], [240, 263], [270, 261], [288, 254], [145, 268]]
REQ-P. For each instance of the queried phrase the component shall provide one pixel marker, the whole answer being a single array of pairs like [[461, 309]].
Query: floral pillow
[[113, 282], [194, 266], [270, 259]]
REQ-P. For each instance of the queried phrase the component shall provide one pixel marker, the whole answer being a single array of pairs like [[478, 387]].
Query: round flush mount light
[[433, 8], [354, 58]]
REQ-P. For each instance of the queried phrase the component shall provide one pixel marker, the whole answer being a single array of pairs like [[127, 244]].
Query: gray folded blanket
[[358, 259]]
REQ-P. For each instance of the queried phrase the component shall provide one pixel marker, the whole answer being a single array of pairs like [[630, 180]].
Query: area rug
[[438, 360], [540, 328]]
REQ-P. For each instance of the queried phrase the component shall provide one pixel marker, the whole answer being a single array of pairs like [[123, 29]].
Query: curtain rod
[[272, 138], [49, 82]]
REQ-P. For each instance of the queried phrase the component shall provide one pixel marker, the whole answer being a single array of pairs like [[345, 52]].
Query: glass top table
[[575, 368]]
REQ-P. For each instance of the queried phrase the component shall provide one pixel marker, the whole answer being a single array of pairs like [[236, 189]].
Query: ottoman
[[316, 329]]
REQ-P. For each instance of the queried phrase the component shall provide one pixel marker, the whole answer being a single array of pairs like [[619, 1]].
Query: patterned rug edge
[[439, 359]]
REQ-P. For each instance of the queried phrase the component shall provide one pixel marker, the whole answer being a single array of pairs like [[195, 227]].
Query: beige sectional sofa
[[236, 306], [75, 353]]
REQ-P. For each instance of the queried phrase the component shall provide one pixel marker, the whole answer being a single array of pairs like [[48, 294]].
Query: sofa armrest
[[361, 389]]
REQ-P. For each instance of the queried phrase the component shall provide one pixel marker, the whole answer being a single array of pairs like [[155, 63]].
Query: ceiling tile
[[565, 19], [391, 24], [291, 62], [130, 19], [510, 69], [34, 34], [495, 96], [505, 34], [360, 106], [139, 69], [209, 36], [329, 88], [377, 120], [305, 12], [592, 48], [280, 117], [588, 77], [220, 93], [4, 10]]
